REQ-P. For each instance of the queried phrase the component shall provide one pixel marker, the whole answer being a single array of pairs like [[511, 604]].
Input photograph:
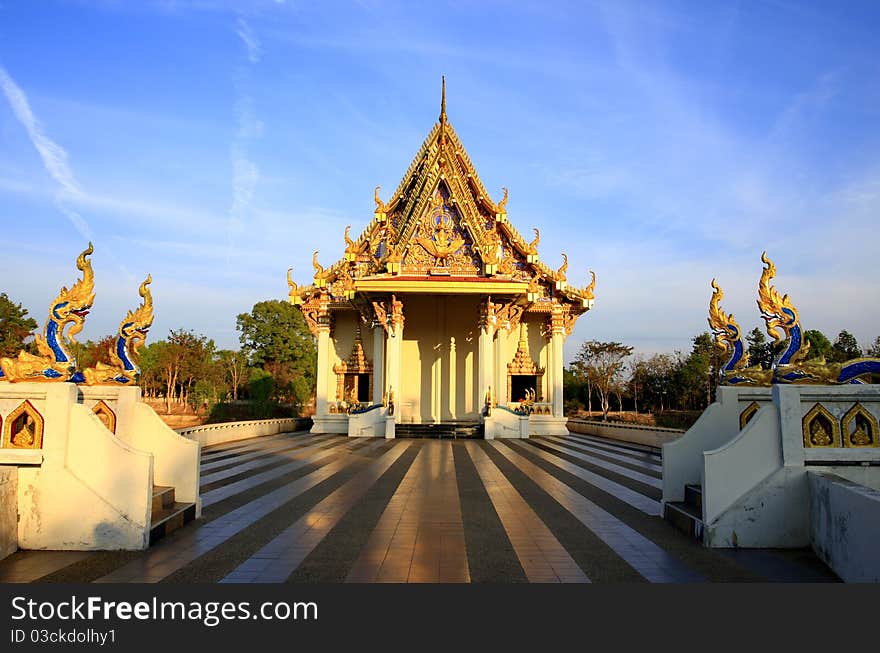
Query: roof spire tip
[[443, 99]]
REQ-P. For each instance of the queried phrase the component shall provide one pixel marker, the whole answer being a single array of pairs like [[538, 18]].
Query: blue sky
[[215, 144]]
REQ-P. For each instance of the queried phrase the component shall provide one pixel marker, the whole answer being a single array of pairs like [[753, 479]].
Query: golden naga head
[[135, 325], [502, 205], [533, 246], [73, 305], [723, 325], [348, 241], [563, 268], [319, 269], [381, 207], [588, 292], [777, 311]]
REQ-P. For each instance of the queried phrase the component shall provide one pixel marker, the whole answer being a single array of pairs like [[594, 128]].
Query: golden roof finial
[[443, 100]]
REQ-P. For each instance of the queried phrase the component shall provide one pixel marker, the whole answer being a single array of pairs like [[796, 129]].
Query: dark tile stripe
[[706, 562], [333, 558], [490, 554], [279, 460], [594, 453], [637, 451], [221, 560], [597, 560], [632, 484], [289, 444]]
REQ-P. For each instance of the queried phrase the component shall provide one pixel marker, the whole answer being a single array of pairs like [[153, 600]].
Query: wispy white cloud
[[246, 34], [54, 156]]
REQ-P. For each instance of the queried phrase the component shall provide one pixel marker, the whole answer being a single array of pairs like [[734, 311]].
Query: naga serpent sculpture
[[124, 355], [55, 362]]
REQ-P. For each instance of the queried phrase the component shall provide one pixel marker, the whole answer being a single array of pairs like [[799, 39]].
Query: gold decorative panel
[[347, 372], [820, 429], [748, 413], [23, 428], [106, 415], [859, 428]]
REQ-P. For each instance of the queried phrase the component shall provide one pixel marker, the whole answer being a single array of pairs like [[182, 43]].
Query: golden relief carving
[[859, 428], [820, 429], [748, 414], [23, 428], [106, 415], [443, 245]]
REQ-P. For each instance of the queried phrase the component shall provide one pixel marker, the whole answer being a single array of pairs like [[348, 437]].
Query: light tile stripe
[[634, 498], [652, 562], [543, 558], [216, 450], [279, 558], [420, 536], [629, 460], [265, 459], [653, 481], [224, 492], [608, 446], [277, 445], [166, 558]]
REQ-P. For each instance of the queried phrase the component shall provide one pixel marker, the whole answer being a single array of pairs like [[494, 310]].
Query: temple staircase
[[168, 514], [440, 430], [687, 515]]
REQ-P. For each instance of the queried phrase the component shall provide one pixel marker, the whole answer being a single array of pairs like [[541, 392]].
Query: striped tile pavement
[[298, 508]]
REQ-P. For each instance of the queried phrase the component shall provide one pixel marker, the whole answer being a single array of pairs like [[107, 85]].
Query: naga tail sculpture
[[124, 352], [728, 338], [55, 362], [792, 366]]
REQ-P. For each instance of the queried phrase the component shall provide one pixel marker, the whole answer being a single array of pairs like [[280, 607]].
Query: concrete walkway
[[302, 508]]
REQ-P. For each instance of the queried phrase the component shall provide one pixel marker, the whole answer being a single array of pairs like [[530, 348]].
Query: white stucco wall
[[8, 510], [845, 526]]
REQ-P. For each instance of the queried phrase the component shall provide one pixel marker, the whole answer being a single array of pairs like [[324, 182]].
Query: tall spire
[[442, 136], [443, 101]]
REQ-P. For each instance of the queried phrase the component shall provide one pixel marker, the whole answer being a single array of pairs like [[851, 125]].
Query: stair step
[[440, 430], [693, 496], [163, 497], [684, 517], [169, 519]]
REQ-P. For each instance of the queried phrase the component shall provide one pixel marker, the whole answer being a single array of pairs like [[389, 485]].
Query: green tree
[[275, 336], [604, 362], [760, 351], [235, 365], [845, 348], [874, 350], [820, 346], [15, 326]]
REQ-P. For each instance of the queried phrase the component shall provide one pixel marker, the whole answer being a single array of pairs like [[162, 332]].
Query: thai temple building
[[440, 312]]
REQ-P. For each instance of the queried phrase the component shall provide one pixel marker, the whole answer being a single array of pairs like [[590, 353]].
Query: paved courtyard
[[302, 508]]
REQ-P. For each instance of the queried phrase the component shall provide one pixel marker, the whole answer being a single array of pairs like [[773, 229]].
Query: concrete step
[[685, 518], [163, 497], [169, 519], [452, 430], [693, 496]]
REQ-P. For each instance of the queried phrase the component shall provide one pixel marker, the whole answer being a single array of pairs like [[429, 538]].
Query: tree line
[[605, 375], [274, 371]]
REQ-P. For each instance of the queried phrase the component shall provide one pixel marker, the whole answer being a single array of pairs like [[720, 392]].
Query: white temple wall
[[437, 376]]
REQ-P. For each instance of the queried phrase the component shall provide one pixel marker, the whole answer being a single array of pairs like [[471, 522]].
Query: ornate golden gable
[[441, 222]]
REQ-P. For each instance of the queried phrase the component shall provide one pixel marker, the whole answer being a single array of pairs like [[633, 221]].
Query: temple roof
[[441, 222]]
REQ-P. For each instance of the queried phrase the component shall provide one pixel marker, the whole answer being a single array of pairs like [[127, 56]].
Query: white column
[[556, 363], [378, 364], [392, 368], [321, 392], [452, 376], [484, 365], [499, 384]]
